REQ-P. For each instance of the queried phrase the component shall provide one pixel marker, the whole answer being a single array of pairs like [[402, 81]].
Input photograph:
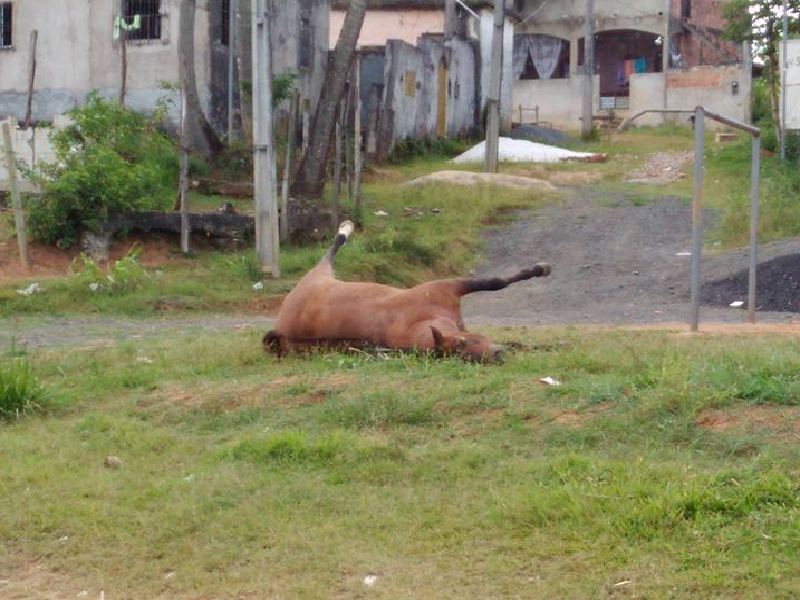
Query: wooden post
[[267, 235], [588, 70], [185, 225], [357, 157], [287, 171], [306, 124], [31, 76], [19, 216], [124, 76], [492, 147], [337, 168], [348, 155]]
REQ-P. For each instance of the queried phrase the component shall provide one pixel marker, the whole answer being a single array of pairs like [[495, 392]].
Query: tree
[[244, 58], [200, 136], [759, 22], [311, 177]]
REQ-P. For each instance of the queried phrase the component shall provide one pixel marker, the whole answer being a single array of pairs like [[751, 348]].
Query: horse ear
[[438, 338]]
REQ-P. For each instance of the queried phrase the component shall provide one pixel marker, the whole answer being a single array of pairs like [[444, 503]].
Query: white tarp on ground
[[522, 151]]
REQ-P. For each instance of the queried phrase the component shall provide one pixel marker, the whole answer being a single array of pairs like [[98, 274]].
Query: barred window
[[5, 24], [306, 43], [149, 11], [225, 23]]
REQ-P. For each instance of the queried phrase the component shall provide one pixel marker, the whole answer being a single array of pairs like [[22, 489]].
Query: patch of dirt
[[663, 167], [381, 175], [575, 419], [235, 396], [777, 419], [267, 306], [48, 261], [558, 177], [34, 580], [472, 178], [777, 286]]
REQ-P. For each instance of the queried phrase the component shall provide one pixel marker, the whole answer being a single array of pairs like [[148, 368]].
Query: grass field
[[404, 251], [667, 462]]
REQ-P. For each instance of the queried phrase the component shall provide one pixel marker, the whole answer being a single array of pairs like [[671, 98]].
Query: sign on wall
[[792, 84]]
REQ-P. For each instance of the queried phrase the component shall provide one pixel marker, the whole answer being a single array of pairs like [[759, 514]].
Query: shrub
[[21, 393], [125, 274], [109, 159]]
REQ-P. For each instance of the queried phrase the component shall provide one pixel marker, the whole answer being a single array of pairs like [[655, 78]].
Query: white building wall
[[792, 84]]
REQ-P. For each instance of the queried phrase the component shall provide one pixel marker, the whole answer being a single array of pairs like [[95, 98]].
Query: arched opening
[[539, 56], [620, 54]]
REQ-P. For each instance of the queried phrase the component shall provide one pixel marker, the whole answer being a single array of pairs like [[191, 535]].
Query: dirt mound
[[777, 286], [663, 167]]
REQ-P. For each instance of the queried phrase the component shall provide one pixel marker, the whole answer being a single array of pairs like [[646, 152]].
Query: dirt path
[[613, 262], [87, 332]]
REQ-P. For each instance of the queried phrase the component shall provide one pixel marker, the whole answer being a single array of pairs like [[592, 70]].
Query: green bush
[[109, 159], [21, 393], [429, 146]]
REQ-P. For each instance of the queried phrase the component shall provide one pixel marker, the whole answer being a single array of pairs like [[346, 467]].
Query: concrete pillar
[[573, 57]]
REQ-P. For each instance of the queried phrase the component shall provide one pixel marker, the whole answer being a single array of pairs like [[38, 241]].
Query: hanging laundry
[[630, 67], [641, 65]]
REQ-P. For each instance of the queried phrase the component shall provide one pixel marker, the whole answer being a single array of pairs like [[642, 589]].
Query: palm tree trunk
[[311, 177], [200, 136]]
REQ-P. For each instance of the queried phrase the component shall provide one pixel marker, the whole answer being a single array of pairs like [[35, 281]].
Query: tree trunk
[[244, 58], [311, 177], [772, 65], [200, 136]]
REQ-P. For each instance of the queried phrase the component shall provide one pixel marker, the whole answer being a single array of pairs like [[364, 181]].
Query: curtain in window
[[546, 52], [522, 44]]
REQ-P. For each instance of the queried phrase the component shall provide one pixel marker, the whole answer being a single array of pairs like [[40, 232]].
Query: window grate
[[225, 23], [5, 24], [149, 11], [306, 43]]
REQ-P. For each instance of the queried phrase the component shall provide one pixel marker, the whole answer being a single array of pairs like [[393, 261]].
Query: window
[[225, 23], [686, 8], [306, 43], [5, 24], [149, 11]]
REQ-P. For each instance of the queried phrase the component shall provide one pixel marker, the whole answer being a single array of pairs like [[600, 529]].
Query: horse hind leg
[[345, 231]]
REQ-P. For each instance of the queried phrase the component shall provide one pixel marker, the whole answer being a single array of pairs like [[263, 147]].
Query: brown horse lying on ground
[[323, 311]]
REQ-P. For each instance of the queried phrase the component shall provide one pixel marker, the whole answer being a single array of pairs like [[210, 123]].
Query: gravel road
[[613, 262]]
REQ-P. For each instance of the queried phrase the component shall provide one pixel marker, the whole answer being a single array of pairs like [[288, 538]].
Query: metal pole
[[697, 211], [492, 146], [784, 73], [357, 145], [264, 160], [232, 11], [588, 70], [755, 181], [19, 216], [185, 226]]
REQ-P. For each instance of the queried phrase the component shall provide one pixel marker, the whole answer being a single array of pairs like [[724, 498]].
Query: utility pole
[[784, 73], [267, 237], [588, 70], [492, 159], [31, 76], [232, 11]]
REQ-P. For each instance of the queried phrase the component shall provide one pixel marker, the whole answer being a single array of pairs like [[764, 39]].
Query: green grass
[[405, 251], [394, 250], [246, 477], [21, 393]]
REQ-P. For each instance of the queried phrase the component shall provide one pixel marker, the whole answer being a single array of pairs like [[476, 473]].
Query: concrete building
[[652, 54], [411, 21], [79, 52], [791, 85]]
